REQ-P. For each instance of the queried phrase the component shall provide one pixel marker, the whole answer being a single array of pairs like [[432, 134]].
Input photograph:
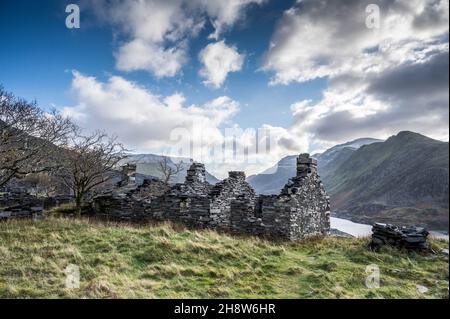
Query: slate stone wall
[[224, 193], [132, 202], [301, 210], [309, 203], [243, 217]]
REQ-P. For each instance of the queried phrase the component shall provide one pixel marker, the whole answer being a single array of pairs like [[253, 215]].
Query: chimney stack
[[196, 173], [236, 175], [305, 165], [129, 172]]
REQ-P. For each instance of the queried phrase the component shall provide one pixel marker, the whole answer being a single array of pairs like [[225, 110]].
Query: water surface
[[362, 230]]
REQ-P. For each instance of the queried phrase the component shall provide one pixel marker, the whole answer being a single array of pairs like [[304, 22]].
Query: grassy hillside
[[407, 174], [160, 261]]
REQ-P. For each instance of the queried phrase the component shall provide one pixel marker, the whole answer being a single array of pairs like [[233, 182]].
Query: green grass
[[163, 261], [64, 210]]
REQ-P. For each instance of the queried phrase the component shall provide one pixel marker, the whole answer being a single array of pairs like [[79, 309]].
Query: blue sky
[[312, 72], [40, 50]]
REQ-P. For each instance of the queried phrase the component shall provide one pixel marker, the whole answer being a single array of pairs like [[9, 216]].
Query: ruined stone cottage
[[301, 209]]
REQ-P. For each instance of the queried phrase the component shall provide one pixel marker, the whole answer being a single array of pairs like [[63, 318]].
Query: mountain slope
[[406, 176], [272, 180], [338, 154], [272, 183]]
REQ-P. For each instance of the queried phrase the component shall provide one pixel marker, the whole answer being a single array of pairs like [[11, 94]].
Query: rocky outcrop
[[402, 237]]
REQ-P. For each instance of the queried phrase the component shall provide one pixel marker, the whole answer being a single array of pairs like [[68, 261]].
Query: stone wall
[[16, 204], [187, 203], [301, 210], [224, 193], [244, 218], [131, 202], [309, 203]]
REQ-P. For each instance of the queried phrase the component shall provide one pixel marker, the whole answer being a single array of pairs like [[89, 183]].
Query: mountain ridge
[[272, 180], [405, 177], [403, 180]]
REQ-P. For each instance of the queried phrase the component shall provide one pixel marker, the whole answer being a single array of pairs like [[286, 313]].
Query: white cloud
[[254, 149], [149, 123], [327, 38], [380, 81], [156, 33], [219, 59], [139, 55], [410, 96], [225, 13], [140, 118]]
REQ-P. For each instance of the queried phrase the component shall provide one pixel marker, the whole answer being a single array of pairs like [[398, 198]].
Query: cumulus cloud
[[149, 123], [155, 33], [146, 122], [254, 149], [140, 55], [380, 81], [225, 13], [140, 118], [411, 96], [327, 38], [219, 59]]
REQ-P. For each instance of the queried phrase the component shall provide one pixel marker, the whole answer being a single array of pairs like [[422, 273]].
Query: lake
[[362, 230]]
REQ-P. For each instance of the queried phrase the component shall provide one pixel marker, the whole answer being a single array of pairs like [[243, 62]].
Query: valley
[[402, 180]]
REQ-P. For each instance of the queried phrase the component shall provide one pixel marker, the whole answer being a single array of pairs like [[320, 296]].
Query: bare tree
[[89, 163], [29, 137], [168, 169]]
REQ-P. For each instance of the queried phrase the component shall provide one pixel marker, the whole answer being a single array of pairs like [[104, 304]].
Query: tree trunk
[[78, 202]]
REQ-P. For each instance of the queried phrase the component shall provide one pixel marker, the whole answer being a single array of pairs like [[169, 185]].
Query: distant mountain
[[147, 164], [338, 154], [402, 180], [272, 180]]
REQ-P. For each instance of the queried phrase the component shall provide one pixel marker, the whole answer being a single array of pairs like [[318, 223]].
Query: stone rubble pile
[[414, 238], [130, 202], [17, 196], [18, 203]]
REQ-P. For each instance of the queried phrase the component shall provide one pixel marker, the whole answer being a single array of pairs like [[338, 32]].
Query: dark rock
[[18, 204], [402, 237]]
